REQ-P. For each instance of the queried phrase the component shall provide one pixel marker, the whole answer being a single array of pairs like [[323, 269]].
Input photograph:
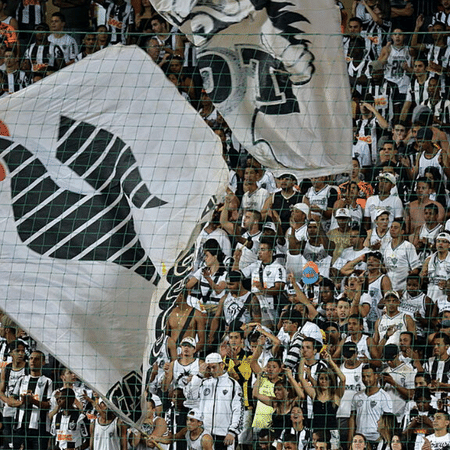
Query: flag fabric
[[105, 172], [275, 70]]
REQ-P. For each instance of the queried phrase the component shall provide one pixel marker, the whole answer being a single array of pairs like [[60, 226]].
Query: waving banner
[[105, 173], [277, 78]]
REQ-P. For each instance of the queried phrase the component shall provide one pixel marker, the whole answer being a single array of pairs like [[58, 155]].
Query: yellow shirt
[[263, 413]]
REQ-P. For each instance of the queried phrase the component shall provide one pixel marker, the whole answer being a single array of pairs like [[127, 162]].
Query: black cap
[[424, 134], [349, 349], [42, 26], [234, 276], [288, 175], [390, 352]]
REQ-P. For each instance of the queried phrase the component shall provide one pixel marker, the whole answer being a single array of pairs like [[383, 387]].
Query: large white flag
[[106, 170], [275, 69]]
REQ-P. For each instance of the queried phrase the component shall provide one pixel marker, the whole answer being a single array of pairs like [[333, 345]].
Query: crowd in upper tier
[[317, 313]]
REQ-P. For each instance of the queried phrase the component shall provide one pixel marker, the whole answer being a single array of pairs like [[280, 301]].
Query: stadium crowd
[[317, 313]]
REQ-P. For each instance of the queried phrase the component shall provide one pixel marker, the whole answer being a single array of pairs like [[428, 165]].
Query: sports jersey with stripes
[[13, 82], [119, 18], [394, 71]]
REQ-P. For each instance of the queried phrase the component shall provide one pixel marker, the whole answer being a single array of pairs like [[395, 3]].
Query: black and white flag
[[275, 70], [105, 172]]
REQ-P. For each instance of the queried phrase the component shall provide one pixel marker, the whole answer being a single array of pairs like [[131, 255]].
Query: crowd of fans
[[317, 313]]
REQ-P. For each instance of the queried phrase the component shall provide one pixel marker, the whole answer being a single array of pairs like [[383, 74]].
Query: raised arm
[[309, 390], [262, 398], [297, 388]]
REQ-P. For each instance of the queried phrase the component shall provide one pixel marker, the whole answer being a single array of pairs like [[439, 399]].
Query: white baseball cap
[[188, 340], [195, 414], [443, 235], [302, 207], [388, 176], [213, 358], [343, 212]]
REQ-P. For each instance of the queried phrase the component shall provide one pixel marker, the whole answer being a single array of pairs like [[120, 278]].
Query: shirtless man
[[177, 322], [415, 215]]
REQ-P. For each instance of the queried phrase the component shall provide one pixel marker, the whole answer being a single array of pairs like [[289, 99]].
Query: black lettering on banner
[[63, 224], [126, 395], [274, 88]]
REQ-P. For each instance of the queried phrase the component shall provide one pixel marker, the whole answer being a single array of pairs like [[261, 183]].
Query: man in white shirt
[[400, 257], [357, 250], [440, 439], [268, 279], [398, 379], [383, 201], [368, 406], [67, 43], [254, 197]]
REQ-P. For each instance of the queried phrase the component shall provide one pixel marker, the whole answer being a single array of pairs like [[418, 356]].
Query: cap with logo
[[195, 414], [392, 294], [343, 212], [444, 235], [188, 341], [213, 358], [349, 349], [270, 226], [388, 176]]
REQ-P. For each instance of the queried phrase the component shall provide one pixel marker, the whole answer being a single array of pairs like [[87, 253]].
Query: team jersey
[[412, 305], [417, 93], [70, 430], [197, 443], [353, 384], [268, 275], [323, 198], [182, 373], [398, 322], [392, 204], [368, 131], [368, 411], [438, 271], [13, 82], [11, 379], [33, 417], [106, 437], [30, 13], [67, 44], [44, 58], [232, 307], [403, 375], [394, 71], [119, 18]]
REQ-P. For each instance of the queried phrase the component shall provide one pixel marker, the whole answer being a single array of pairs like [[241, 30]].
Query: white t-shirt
[[67, 44], [268, 182], [403, 375], [349, 254], [439, 443], [399, 262], [368, 412], [392, 204], [361, 151], [255, 200], [353, 384]]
